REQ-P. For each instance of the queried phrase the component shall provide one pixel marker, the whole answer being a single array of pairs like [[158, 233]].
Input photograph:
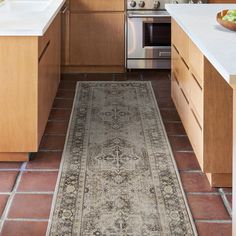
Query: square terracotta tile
[[52, 143], [31, 206], [62, 103], [214, 229], [73, 77], [60, 114], [227, 190], [180, 143], [174, 128], [196, 182], [186, 161], [10, 165], [38, 181], [3, 202], [165, 102], [56, 127], [8, 179], [99, 76], [65, 93], [169, 115], [209, 207], [24, 228], [45, 160], [68, 85]]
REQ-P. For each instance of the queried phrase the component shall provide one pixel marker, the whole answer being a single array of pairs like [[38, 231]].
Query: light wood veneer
[[204, 102], [93, 37], [29, 76]]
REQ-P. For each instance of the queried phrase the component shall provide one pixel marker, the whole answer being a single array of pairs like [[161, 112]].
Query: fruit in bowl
[[227, 18], [230, 16]]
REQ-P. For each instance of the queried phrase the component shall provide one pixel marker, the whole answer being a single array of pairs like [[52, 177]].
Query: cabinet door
[[49, 73], [97, 39], [95, 5]]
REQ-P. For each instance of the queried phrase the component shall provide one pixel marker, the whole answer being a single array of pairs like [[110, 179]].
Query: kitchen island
[[29, 73], [203, 88]]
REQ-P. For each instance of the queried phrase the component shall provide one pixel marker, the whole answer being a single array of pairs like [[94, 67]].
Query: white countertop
[[216, 43], [22, 18]]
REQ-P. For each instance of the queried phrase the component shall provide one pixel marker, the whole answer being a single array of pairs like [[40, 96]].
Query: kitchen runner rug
[[118, 176]]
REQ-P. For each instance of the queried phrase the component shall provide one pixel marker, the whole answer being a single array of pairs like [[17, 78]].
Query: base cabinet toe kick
[[29, 77], [204, 101]]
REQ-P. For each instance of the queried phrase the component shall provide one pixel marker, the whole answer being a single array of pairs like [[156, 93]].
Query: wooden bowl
[[227, 24]]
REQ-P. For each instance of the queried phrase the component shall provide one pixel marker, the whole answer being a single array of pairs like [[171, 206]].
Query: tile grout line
[[28, 170], [225, 201], [27, 219], [214, 221], [10, 199], [35, 192], [203, 193]]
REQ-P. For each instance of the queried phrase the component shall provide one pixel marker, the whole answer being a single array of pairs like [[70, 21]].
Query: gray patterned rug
[[118, 177]]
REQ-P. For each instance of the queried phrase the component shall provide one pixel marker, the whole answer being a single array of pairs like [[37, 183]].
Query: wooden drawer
[[196, 62], [196, 97], [180, 39], [95, 6], [196, 136], [180, 102], [180, 70], [174, 90]]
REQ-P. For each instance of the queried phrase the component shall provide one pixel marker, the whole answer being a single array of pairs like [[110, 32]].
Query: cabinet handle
[[182, 59], [196, 81], [44, 51], [196, 119], [64, 9], [175, 48], [184, 95]]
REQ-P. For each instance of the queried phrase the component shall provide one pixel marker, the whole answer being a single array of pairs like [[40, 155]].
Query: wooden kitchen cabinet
[[29, 76], [98, 39], [204, 102], [93, 36]]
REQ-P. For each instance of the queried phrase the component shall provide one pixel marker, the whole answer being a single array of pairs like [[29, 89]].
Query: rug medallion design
[[118, 177]]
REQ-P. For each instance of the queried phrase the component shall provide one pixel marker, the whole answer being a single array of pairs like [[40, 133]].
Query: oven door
[[149, 35]]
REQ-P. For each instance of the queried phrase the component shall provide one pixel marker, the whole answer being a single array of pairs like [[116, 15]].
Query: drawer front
[[180, 40], [180, 70], [196, 136], [175, 61], [196, 97], [180, 102], [174, 90], [196, 62], [183, 109]]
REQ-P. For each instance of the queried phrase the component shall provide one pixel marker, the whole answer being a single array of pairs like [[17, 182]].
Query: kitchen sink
[[23, 6]]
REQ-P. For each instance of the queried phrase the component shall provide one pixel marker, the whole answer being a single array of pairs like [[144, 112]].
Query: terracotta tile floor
[[26, 189]]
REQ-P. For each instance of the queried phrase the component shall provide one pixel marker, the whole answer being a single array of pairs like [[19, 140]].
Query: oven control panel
[[146, 4]]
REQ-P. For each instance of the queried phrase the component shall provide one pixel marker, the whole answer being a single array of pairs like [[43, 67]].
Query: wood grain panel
[[49, 75], [18, 94], [89, 47], [196, 62], [218, 98], [95, 5], [180, 40], [196, 97]]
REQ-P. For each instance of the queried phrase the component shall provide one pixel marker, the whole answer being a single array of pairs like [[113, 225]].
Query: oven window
[[156, 34]]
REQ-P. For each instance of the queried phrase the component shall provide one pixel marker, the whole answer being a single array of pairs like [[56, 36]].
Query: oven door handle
[[131, 15]]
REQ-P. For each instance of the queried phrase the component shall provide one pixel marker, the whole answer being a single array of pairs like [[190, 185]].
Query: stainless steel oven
[[148, 39]]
